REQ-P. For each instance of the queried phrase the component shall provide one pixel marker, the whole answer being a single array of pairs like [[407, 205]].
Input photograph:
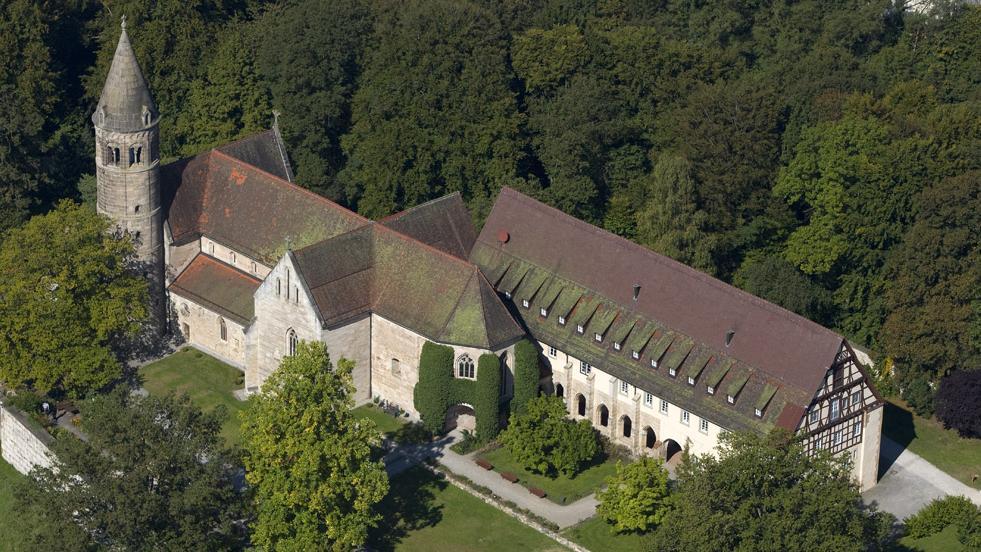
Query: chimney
[[636, 291], [729, 336]]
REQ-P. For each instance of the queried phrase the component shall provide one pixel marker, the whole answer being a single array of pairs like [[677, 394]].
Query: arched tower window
[[465, 367], [222, 329], [115, 156], [132, 156], [291, 341], [139, 155]]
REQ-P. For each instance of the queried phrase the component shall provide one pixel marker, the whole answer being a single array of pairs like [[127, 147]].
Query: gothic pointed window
[[115, 156], [291, 341], [465, 367], [222, 329], [139, 155], [132, 156]]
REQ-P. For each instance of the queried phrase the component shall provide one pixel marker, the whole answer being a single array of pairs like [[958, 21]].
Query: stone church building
[[244, 264]]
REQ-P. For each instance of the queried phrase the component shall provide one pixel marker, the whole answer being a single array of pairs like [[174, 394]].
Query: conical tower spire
[[126, 104]]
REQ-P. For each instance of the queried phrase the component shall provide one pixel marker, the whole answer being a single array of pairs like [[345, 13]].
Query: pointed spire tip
[[123, 22]]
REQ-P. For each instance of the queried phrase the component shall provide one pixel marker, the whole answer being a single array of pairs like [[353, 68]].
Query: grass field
[[8, 476], [425, 514], [208, 381], [572, 489], [944, 541], [941, 447], [386, 423], [596, 535]]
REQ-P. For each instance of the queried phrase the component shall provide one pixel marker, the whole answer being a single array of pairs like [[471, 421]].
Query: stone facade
[[203, 328], [24, 445]]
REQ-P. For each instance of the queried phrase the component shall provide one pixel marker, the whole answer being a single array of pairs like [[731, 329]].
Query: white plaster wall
[[235, 258], [205, 330], [866, 466], [602, 388], [276, 313], [23, 447]]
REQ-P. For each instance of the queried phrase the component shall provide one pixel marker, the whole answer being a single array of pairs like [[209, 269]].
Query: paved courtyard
[[910, 482]]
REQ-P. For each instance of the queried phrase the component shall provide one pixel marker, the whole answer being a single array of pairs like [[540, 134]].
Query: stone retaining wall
[[23, 444]]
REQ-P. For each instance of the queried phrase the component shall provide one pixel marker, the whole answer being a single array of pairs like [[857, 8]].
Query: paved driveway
[[911, 482]]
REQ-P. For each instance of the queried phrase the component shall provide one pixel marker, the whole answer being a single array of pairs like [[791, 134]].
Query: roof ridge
[[480, 275], [403, 212], [288, 184], [223, 264], [673, 265]]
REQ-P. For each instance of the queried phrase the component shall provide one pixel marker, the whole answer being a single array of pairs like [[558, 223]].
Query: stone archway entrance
[[460, 416], [650, 438], [672, 451]]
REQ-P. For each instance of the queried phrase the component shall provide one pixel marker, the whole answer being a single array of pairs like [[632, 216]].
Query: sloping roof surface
[[376, 269], [264, 150], [125, 93], [771, 344], [218, 286], [246, 208], [443, 223]]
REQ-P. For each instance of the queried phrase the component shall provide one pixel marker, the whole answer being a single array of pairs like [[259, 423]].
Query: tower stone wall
[[127, 158]]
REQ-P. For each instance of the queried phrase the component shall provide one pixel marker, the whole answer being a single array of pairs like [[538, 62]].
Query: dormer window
[[580, 329], [635, 355], [672, 372], [654, 363], [562, 321], [525, 303], [758, 412], [598, 337], [710, 390], [691, 380], [543, 311], [731, 399]]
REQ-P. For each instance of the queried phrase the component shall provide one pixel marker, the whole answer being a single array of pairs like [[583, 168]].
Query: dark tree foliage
[[487, 397], [776, 280], [958, 402], [434, 112], [309, 56], [526, 374], [915, 389], [767, 493], [432, 393], [153, 474]]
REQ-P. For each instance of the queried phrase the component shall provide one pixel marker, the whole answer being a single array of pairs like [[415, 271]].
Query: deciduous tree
[[153, 473], [69, 293], [544, 440], [308, 458], [635, 497]]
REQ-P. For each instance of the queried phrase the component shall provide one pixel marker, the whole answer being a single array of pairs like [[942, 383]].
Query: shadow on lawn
[[409, 506], [897, 425]]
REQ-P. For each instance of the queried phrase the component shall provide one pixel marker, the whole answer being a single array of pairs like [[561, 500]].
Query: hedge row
[[486, 397]]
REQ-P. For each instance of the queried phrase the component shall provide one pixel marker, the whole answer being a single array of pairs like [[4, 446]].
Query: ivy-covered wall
[[437, 390], [526, 374]]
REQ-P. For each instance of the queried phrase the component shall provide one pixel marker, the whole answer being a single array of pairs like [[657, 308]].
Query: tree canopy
[[69, 296], [152, 473], [308, 458]]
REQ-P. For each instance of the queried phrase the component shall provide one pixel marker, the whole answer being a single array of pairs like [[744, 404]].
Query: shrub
[[431, 395], [919, 395], [634, 499], [487, 394], [938, 514], [26, 401], [959, 402], [526, 375], [543, 440]]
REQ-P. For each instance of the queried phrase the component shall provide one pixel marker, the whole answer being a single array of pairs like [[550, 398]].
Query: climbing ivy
[[437, 390], [526, 375], [431, 396]]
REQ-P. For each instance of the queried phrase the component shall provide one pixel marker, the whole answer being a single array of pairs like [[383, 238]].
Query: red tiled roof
[[443, 223], [219, 287], [246, 208]]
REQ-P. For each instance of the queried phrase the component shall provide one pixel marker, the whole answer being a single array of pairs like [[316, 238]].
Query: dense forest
[[825, 155]]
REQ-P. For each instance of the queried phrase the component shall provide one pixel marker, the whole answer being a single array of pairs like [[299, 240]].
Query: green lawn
[[430, 515], [386, 423], [944, 541], [8, 527], [596, 535], [941, 447], [587, 482], [208, 381]]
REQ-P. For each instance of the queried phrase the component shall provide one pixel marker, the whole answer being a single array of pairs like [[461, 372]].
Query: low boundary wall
[[23, 444]]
